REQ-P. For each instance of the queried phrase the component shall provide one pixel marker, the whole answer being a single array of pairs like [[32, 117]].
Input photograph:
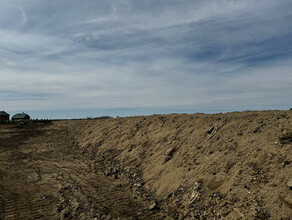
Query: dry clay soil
[[223, 166]]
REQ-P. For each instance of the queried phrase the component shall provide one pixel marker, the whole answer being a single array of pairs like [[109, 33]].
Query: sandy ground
[[223, 166]]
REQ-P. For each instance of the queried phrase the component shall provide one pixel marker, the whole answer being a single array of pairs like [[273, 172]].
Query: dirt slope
[[225, 166], [234, 164]]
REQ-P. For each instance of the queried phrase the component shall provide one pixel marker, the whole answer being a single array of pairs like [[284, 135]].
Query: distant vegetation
[[33, 121], [101, 117], [5, 122], [88, 118], [41, 121], [48, 121]]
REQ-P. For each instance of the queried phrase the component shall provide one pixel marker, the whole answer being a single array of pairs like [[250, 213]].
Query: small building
[[21, 117], [4, 116]]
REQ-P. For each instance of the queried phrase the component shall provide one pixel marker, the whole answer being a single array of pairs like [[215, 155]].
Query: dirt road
[[42, 176]]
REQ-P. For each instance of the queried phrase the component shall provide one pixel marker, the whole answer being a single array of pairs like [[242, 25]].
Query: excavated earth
[[223, 166]]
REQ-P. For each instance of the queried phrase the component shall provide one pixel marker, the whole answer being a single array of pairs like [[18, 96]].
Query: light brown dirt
[[222, 166]]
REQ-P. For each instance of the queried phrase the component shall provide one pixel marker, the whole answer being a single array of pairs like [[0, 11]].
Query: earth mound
[[222, 166]]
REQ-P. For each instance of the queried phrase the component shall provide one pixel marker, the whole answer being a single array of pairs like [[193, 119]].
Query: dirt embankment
[[225, 166]]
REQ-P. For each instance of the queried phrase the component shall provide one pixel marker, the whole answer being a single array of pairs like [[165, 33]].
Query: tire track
[[115, 201], [18, 198], [19, 206], [118, 201], [46, 178]]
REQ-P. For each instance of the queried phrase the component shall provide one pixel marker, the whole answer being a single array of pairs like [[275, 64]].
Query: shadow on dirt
[[13, 136]]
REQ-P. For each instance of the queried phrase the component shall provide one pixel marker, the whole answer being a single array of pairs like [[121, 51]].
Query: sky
[[72, 58]]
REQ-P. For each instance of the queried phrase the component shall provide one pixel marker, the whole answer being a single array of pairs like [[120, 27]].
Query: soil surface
[[221, 166]]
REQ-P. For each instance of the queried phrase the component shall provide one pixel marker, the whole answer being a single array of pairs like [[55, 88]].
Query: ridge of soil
[[222, 166]]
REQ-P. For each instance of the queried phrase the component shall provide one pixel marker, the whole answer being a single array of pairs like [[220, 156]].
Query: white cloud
[[126, 54]]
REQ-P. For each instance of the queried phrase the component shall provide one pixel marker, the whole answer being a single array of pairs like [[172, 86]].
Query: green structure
[[21, 117]]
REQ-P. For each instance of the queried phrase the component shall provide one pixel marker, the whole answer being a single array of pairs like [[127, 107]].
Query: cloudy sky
[[130, 57]]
